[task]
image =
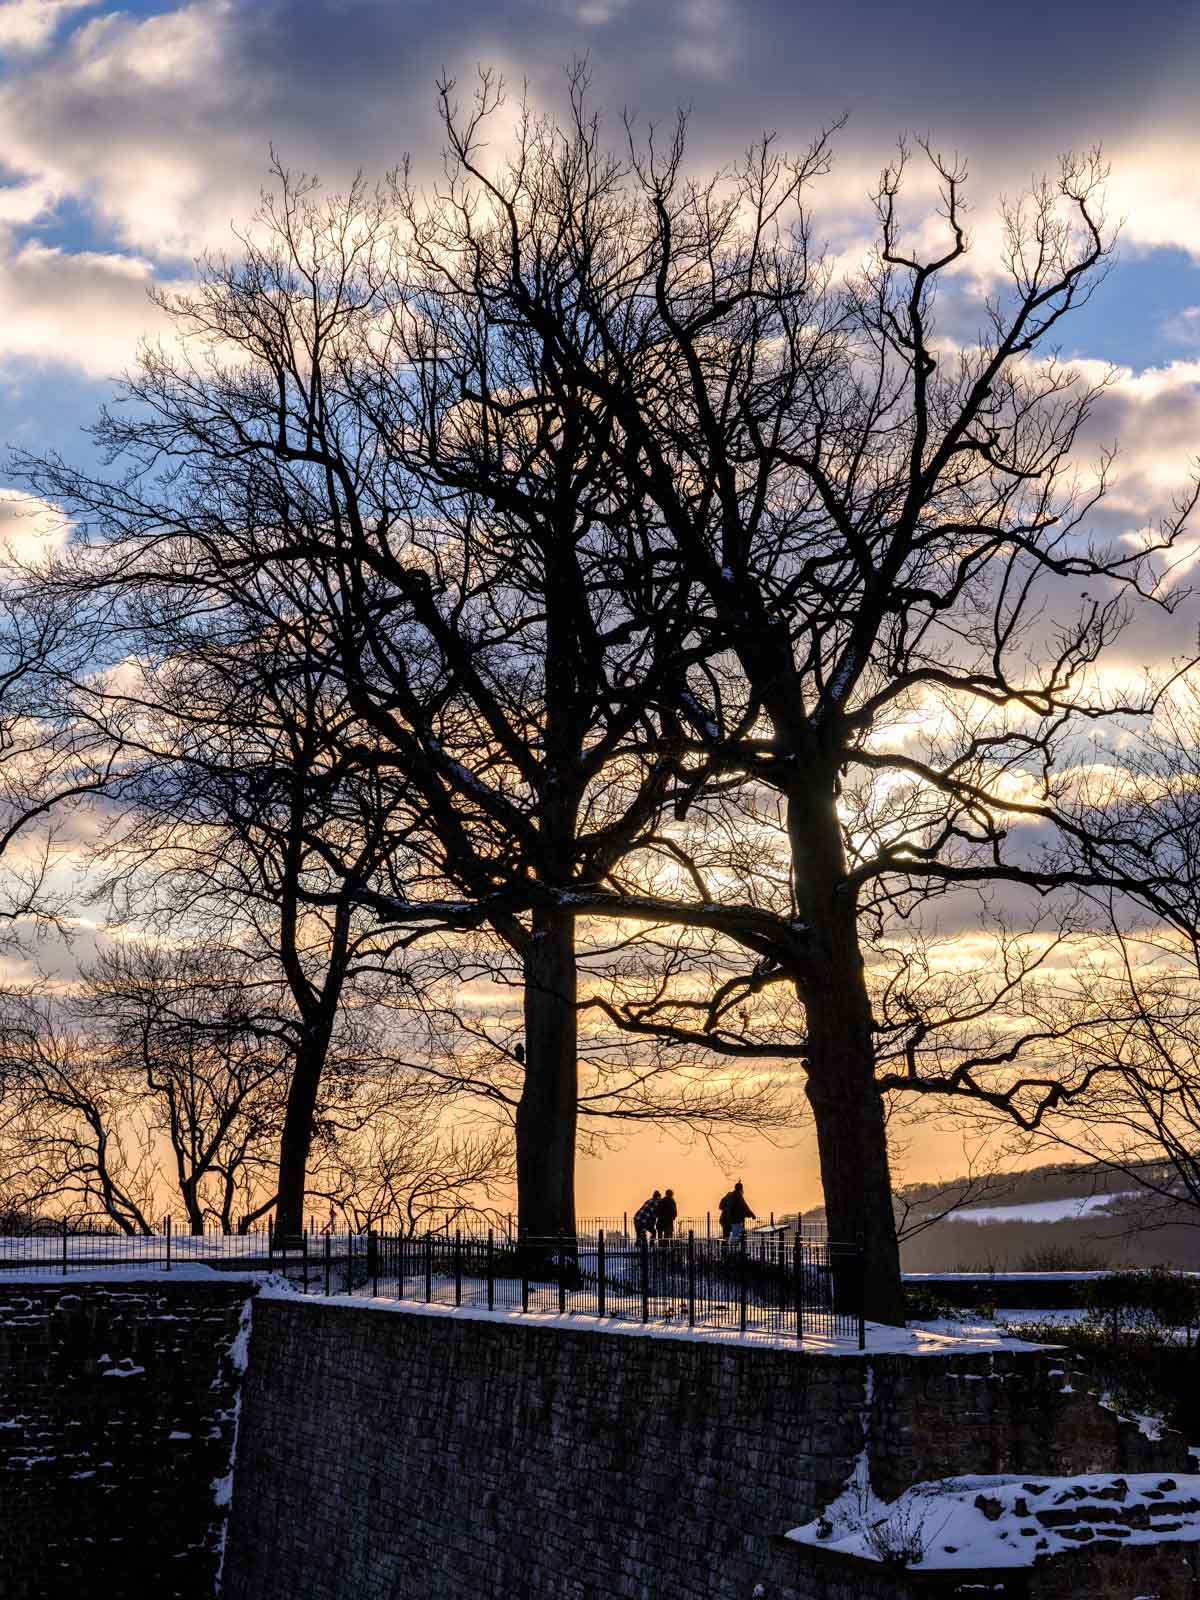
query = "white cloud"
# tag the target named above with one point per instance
(29, 25)
(84, 310)
(149, 120)
(30, 527)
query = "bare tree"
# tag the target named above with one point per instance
(873, 520)
(441, 580)
(193, 1026)
(74, 1142)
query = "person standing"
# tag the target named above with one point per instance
(645, 1218)
(735, 1210)
(667, 1212)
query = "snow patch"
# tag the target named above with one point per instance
(997, 1521)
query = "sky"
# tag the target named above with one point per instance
(132, 138)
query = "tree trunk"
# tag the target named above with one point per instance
(547, 1112)
(296, 1139)
(846, 1105)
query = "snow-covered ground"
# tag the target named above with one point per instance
(1067, 1210)
(918, 1341)
(986, 1522)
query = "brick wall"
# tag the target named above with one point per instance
(393, 1454)
(116, 1414)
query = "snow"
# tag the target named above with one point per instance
(1043, 1210)
(881, 1339)
(987, 1522)
(131, 1272)
(222, 1487)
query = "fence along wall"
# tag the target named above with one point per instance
(397, 1452)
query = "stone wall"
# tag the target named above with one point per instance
(117, 1407)
(393, 1454)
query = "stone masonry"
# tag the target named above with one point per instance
(393, 1454)
(117, 1405)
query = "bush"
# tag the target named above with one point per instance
(1143, 1301)
(1062, 1258)
(922, 1305)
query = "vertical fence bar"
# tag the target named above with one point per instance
(798, 1274)
(644, 1275)
(168, 1244)
(373, 1261)
(625, 1227)
(458, 1266)
(862, 1293)
(707, 1226)
(428, 1266)
(742, 1283)
(328, 1260)
(691, 1277)
(524, 1275)
(600, 1266)
(304, 1259)
(562, 1275)
(491, 1271)
(64, 1249)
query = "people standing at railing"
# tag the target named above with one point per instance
(735, 1209)
(645, 1218)
(664, 1220)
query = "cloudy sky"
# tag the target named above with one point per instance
(131, 138)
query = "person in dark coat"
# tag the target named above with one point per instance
(667, 1212)
(734, 1211)
(645, 1218)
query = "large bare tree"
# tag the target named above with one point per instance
(887, 530)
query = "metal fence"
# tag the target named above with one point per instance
(63, 1248)
(799, 1288)
(771, 1280)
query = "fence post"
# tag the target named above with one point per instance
(707, 1226)
(304, 1259)
(625, 1227)
(64, 1250)
(458, 1266)
(862, 1292)
(373, 1261)
(562, 1276)
(798, 1273)
(491, 1266)
(328, 1260)
(523, 1248)
(428, 1266)
(644, 1274)
(168, 1244)
(691, 1278)
(600, 1267)
(742, 1285)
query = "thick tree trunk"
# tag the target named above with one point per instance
(847, 1108)
(548, 1108)
(296, 1139)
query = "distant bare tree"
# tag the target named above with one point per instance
(194, 1027)
(74, 1141)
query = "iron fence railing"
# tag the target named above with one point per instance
(771, 1280)
(64, 1248)
(797, 1287)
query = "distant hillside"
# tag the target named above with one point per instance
(1054, 1218)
